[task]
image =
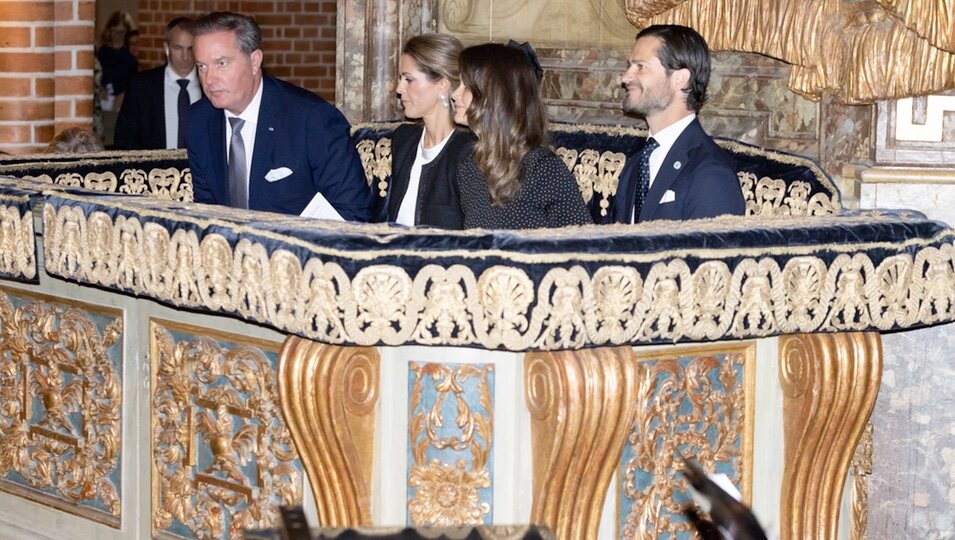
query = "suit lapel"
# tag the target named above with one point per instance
(269, 120)
(674, 164)
(217, 145)
(401, 173)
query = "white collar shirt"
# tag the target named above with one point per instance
(171, 101)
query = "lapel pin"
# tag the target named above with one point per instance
(677, 165)
(271, 128)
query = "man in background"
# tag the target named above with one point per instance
(153, 115)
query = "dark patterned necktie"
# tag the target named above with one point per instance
(643, 177)
(238, 177)
(183, 107)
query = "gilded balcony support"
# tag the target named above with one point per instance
(582, 405)
(830, 383)
(328, 395)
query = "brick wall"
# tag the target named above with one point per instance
(298, 36)
(46, 70)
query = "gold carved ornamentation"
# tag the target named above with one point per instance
(376, 162)
(690, 401)
(860, 51)
(223, 460)
(641, 297)
(17, 242)
(447, 494)
(582, 405)
(61, 396)
(328, 396)
(830, 383)
(861, 471)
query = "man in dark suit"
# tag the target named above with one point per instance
(679, 173)
(257, 142)
(150, 116)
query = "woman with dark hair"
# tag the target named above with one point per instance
(511, 180)
(426, 153)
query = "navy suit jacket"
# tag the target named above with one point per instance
(296, 130)
(141, 124)
(701, 175)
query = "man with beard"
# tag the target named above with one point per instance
(679, 173)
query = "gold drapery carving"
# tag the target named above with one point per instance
(328, 395)
(582, 404)
(220, 403)
(859, 51)
(62, 397)
(447, 494)
(861, 471)
(830, 383)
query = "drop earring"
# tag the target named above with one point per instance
(444, 101)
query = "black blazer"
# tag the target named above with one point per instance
(696, 180)
(438, 204)
(141, 124)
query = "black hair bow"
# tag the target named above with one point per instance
(531, 55)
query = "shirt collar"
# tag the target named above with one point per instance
(668, 135)
(172, 76)
(251, 113)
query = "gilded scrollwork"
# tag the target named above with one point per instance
(858, 51)
(694, 405)
(61, 386)
(450, 432)
(502, 306)
(223, 459)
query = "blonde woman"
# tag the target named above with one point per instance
(426, 152)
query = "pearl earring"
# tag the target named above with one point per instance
(444, 101)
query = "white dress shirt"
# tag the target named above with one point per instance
(409, 204)
(171, 101)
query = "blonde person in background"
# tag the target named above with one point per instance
(511, 180)
(426, 153)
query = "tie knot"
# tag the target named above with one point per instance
(236, 123)
(183, 83)
(650, 145)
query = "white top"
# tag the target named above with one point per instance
(171, 101)
(666, 138)
(423, 156)
(251, 117)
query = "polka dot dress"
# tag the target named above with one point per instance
(548, 198)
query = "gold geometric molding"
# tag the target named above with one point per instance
(830, 383)
(222, 459)
(328, 395)
(582, 405)
(60, 404)
(859, 51)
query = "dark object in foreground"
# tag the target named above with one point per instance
(728, 518)
(295, 527)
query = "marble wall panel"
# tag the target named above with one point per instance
(924, 135)
(61, 372)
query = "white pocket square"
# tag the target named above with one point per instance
(277, 174)
(669, 196)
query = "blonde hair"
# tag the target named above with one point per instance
(436, 55)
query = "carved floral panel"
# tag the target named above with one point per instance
(697, 402)
(222, 456)
(61, 366)
(450, 432)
